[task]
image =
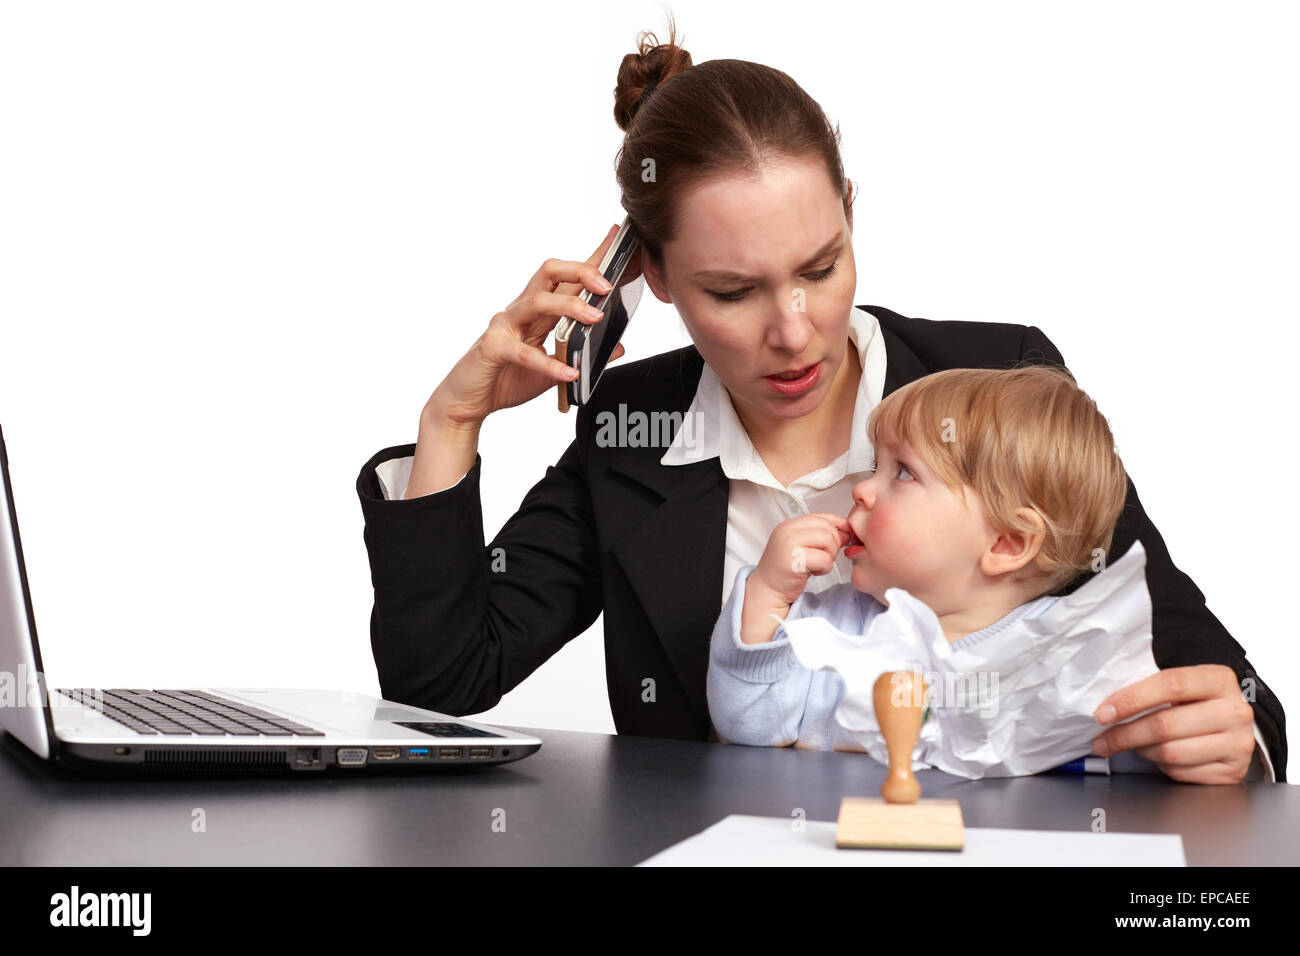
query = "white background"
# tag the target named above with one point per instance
(240, 243)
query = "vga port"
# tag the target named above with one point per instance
(351, 756)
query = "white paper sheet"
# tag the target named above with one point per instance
(740, 840)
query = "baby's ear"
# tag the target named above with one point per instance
(1013, 550)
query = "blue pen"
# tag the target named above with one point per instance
(1084, 765)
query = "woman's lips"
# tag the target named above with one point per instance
(796, 386)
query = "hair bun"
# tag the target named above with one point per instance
(640, 74)
(646, 95)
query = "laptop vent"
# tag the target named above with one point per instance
(213, 758)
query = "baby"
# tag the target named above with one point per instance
(990, 490)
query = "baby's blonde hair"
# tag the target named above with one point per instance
(1019, 437)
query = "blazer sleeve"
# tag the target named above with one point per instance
(456, 624)
(1184, 631)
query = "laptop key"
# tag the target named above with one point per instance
(198, 727)
(298, 730)
(272, 730)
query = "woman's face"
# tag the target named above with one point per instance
(762, 274)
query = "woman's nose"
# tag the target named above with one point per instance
(790, 330)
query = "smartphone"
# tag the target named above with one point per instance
(588, 347)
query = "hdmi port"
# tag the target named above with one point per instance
(480, 753)
(386, 753)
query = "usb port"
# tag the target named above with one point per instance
(480, 753)
(450, 753)
(417, 753)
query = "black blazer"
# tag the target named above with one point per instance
(609, 528)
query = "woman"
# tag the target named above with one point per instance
(732, 177)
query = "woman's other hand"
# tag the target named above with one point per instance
(1207, 734)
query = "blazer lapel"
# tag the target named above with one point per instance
(673, 555)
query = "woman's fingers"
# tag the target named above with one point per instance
(508, 365)
(532, 357)
(1210, 758)
(1178, 723)
(570, 278)
(555, 305)
(567, 278)
(1173, 685)
(1206, 736)
(1191, 752)
(501, 348)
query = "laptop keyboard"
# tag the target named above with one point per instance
(185, 713)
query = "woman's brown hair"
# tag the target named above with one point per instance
(717, 118)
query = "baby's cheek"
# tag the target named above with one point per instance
(878, 530)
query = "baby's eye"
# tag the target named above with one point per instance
(872, 470)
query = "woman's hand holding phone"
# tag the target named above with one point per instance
(506, 366)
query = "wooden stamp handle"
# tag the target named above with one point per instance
(899, 699)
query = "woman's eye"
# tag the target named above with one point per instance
(729, 296)
(740, 293)
(826, 273)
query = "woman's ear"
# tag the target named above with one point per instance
(654, 278)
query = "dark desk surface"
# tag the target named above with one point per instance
(582, 799)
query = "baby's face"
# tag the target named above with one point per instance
(914, 532)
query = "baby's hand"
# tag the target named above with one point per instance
(797, 548)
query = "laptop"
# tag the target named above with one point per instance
(215, 729)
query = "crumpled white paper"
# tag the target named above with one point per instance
(1018, 702)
